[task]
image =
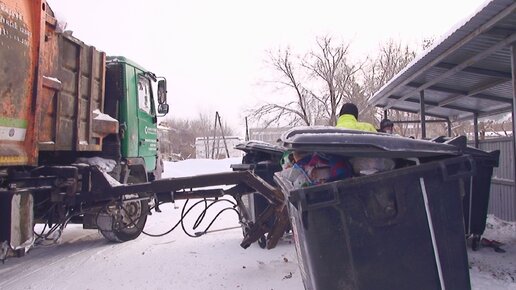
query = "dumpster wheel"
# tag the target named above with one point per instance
(475, 242)
(262, 242)
(123, 221)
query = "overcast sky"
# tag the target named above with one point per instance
(213, 52)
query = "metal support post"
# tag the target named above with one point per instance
(475, 128)
(513, 68)
(423, 115)
(449, 124)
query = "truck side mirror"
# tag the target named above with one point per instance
(162, 92)
(163, 109)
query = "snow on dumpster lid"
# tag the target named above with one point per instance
(256, 145)
(359, 143)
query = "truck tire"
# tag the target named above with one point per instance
(124, 222)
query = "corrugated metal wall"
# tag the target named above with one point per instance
(502, 202)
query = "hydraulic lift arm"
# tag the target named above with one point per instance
(242, 182)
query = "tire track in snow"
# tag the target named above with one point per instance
(76, 250)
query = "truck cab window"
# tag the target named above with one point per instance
(144, 94)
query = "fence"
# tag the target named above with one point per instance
(502, 202)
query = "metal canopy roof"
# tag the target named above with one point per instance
(467, 73)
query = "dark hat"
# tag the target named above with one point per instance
(349, 108)
(386, 123)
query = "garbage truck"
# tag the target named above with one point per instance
(78, 140)
(65, 106)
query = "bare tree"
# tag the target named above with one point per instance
(179, 135)
(177, 139)
(391, 58)
(325, 78)
(330, 64)
(318, 84)
(295, 111)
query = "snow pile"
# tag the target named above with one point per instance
(52, 79)
(500, 230)
(104, 117)
(487, 265)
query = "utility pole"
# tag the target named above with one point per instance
(217, 120)
(223, 137)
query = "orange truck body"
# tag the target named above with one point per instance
(50, 86)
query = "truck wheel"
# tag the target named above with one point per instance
(124, 222)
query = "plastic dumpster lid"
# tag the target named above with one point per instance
(255, 145)
(462, 143)
(361, 144)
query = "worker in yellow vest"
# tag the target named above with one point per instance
(349, 119)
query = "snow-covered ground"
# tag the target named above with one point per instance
(82, 259)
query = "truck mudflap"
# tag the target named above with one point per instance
(16, 230)
(240, 182)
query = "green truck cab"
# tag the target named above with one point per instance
(131, 95)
